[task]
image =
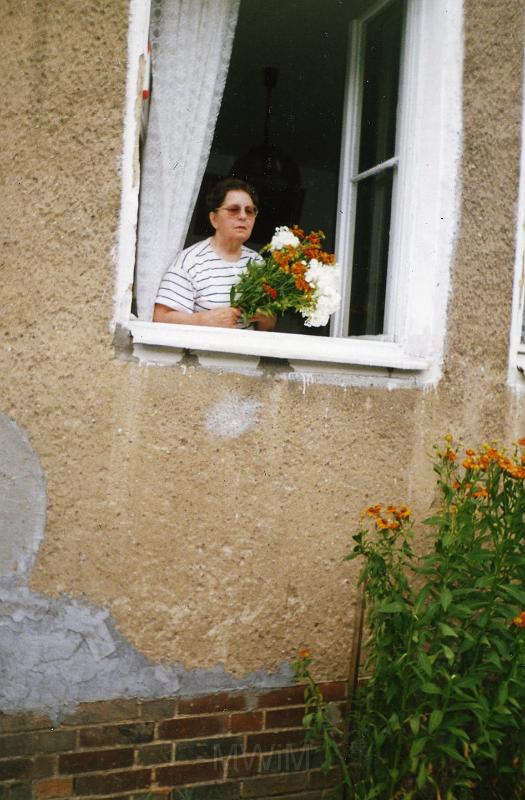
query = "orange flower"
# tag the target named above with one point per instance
(480, 493)
(403, 512)
(456, 485)
(519, 621)
(267, 289)
(451, 455)
(382, 523)
(373, 511)
(521, 442)
(304, 653)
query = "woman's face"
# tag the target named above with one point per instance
(235, 218)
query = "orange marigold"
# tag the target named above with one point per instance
(480, 493)
(304, 653)
(519, 621)
(403, 512)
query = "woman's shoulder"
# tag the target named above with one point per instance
(247, 253)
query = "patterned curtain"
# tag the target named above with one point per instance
(191, 48)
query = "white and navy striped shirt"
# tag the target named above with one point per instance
(200, 280)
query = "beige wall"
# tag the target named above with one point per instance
(209, 547)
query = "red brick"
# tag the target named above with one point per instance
(104, 711)
(158, 709)
(43, 766)
(241, 766)
(246, 721)
(94, 760)
(11, 723)
(320, 780)
(53, 787)
(263, 742)
(113, 782)
(16, 744)
(189, 773)
(336, 690)
(191, 727)
(15, 768)
(288, 696)
(104, 735)
(284, 718)
(155, 754)
(210, 703)
(274, 784)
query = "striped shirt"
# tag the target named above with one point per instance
(200, 280)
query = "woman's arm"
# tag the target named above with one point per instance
(218, 317)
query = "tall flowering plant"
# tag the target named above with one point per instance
(441, 715)
(293, 271)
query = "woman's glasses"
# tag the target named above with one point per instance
(234, 211)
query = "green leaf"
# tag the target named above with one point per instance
(430, 688)
(424, 662)
(433, 521)
(445, 598)
(392, 608)
(450, 751)
(503, 694)
(418, 746)
(446, 630)
(422, 775)
(436, 718)
(414, 723)
(449, 655)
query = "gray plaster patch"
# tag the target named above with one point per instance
(55, 654)
(233, 416)
(22, 501)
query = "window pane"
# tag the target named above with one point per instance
(380, 88)
(370, 264)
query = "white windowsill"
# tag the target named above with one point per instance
(153, 342)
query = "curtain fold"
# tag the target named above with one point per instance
(191, 48)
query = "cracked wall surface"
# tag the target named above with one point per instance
(207, 514)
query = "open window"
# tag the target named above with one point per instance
(354, 109)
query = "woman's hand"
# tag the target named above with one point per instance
(220, 317)
(264, 322)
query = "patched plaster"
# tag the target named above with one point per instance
(23, 503)
(56, 653)
(232, 416)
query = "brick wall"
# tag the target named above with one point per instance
(226, 746)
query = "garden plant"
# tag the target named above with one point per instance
(439, 711)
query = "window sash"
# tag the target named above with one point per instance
(350, 176)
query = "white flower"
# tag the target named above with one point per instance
(325, 280)
(282, 238)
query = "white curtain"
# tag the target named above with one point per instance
(191, 48)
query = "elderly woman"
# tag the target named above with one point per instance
(196, 288)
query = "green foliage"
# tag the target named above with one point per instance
(441, 715)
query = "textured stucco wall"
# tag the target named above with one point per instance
(208, 513)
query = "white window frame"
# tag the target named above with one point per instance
(516, 369)
(423, 223)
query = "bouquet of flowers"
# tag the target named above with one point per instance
(293, 271)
